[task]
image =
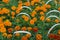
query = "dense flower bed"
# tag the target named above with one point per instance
(29, 19)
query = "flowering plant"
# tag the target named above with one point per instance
(29, 20)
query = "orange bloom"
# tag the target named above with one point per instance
(57, 21)
(32, 22)
(17, 28)
(3, 30)
(27, 3)
(35, 19)
(10, 30)
(33, 13)
(42, 18)
(5, 10)
(26, 18)
(37, 8)
(6, 1)
(32, 3)
(29, 28)
(24, 28)
(13, 7)
(36, 1)
(41, 13)
(9, 36)
(24, 38)
(7, 23)
(28, 35)
(48, 6)
(38, 37)
(17, 34)
(13, 13)
(59, 8)
(4, 34)
(59, 32)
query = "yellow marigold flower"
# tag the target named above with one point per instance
(58, 31)
(42, 18)
(48, 20)
(27, 3)
(32, 22)
(17, 34)
(6, 1)
(17, 28)
(13, 7)
(7, 23)
(29, 28)
(9, 36)
(3, 30)
(38, 36)
(4, 34)
(28, 35)
(24, 28)
(24, 38)
(57, 21)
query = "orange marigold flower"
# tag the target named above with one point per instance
(1, 25)
(36, 1)
(24, 28)
(3, 30)
(13, 7)
(35, 29)
(24, 38)
(17, 34)
(42, 18)
(28, 35)
(7, 23)
(10, 30)
(35, 19)
(6, 1)
(26, 18)
(41, 13)
(9, 36)
(38, 37)
(48, 6)
(32, 22)
(57, 21)
(13, 13)
(27, 3)
(33, 13)
(29, 28)
(37, 8)
(59, 32)
(4, 34)
(32, 3)
(17, 28)
(59, 8)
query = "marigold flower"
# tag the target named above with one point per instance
(48, 20)
(59, 8)
(17, 28)
(27, 3)
(33, 13)
(59, 32)
(29, 28)
(41, 13)
(32, 3)
(1, 25)
(13, 7)
(48, 6)
(28, 35)
(35, 19)
(10, 30)
(13, 13)
(38, 37)
(4, 34)
(24, 28)
(32, 22)
(42, 18)
(17, 34)
(26, 18)
(35, 29)
(9, 36)
(3, 30)
(57, 21)
(6, 1)
(37, 8)
(24, 38)
(7, 23)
